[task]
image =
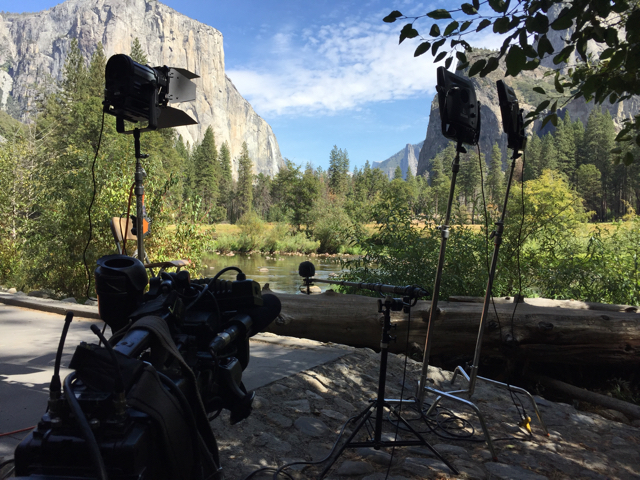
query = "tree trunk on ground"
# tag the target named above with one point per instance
(541, 334)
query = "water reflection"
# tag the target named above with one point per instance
(280, 271)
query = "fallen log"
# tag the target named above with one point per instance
(629, 409)
(540, 334)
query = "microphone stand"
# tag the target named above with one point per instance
(380, 403)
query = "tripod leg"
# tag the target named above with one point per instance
(365, 414)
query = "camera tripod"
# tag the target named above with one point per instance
(378, 404)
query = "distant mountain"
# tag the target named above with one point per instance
(407, 158)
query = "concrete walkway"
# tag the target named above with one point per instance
(29, 336)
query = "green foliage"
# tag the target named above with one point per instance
(137, 53)
(244, 190)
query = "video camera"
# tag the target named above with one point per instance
(139, 405)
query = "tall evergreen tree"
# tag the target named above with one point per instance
(397, 173)
(338, 171)
(566, 146)
(532, 161)
(96, 72)
(74, 86)
(225, 183)
(206, 175)
(244, 191)
(137, 53)
(599, 138)
(495, 178)
(548, 154)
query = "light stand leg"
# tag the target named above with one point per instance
(472, 377)
(139, 190)
(444, 230)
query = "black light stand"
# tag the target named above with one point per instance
(139, 190)
(379, 403)
(513, 121)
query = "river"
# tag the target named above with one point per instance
(279, 271)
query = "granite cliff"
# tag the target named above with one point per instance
(407, 159)
(33, 48)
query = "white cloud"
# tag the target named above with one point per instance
(343, 66)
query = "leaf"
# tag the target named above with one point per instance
(447, 64)
(483, 24)
(492, 64)
(501, 25)
(564, 20)
(477, 67)
(638, 140)
(616, 150)
(628, 158)
(544, 46)
(537, 24)
(462, 66)
(539, 90)
(435, 30)
(422, 48)
(563, 55)
(522, 39)
(408, 32)
(556, 83)
(465, 25)
(476, 4)
(461, 57)
(602, 7)
(544, 104)
(498, 6)
(451, 28)
(516, 60)
(392, 16)
(554, 107)
(436, 46)
(439, 14)
(440, 56)
(469, 9)
(553, 118)
(617, 59)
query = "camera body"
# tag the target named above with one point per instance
(147, 400)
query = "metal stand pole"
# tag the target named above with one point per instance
(139, 190)
(473, 376)
(380, 403)
(444, 231)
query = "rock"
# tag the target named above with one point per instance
(91, 302)
(69, 300)
(424, 467)
(298, 406)
(167, 38)
(311, 426)
(343, 404)
(20, 294)
(636, 423)
(351, 468)
(314, 289)
(280, 420)
(511, 472)
(313, 396)
(333, 414)
(377, 456)
(38, 294)
(278, 389)
(263, 269)
(271, 442)
(614, 415)
(12, 290)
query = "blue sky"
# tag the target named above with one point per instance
(322, 72)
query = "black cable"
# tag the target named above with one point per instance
(10, 471)
(93, 197)
(85, 429)
(226, 269)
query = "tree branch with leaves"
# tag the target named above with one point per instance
(611, 25)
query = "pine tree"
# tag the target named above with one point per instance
(548, 154)
(397, 174)
(96, 72)
(244, 191)
(205, 182)
(226, 180)
(579, 140)
(566, 146)
(599, 139)
(74, 87)
(137, 53)
(532, 164)
(338, 171)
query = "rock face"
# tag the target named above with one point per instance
(33, 48)
(407, 159)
